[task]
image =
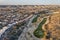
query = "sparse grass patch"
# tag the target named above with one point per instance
(39, 33)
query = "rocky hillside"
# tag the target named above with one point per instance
(54, 26)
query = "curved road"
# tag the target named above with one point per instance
(24, 31)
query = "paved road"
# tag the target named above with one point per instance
(3, 30)
(25, 29)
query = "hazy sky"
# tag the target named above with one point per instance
(29, 2)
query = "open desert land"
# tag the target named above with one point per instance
(30, 22)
